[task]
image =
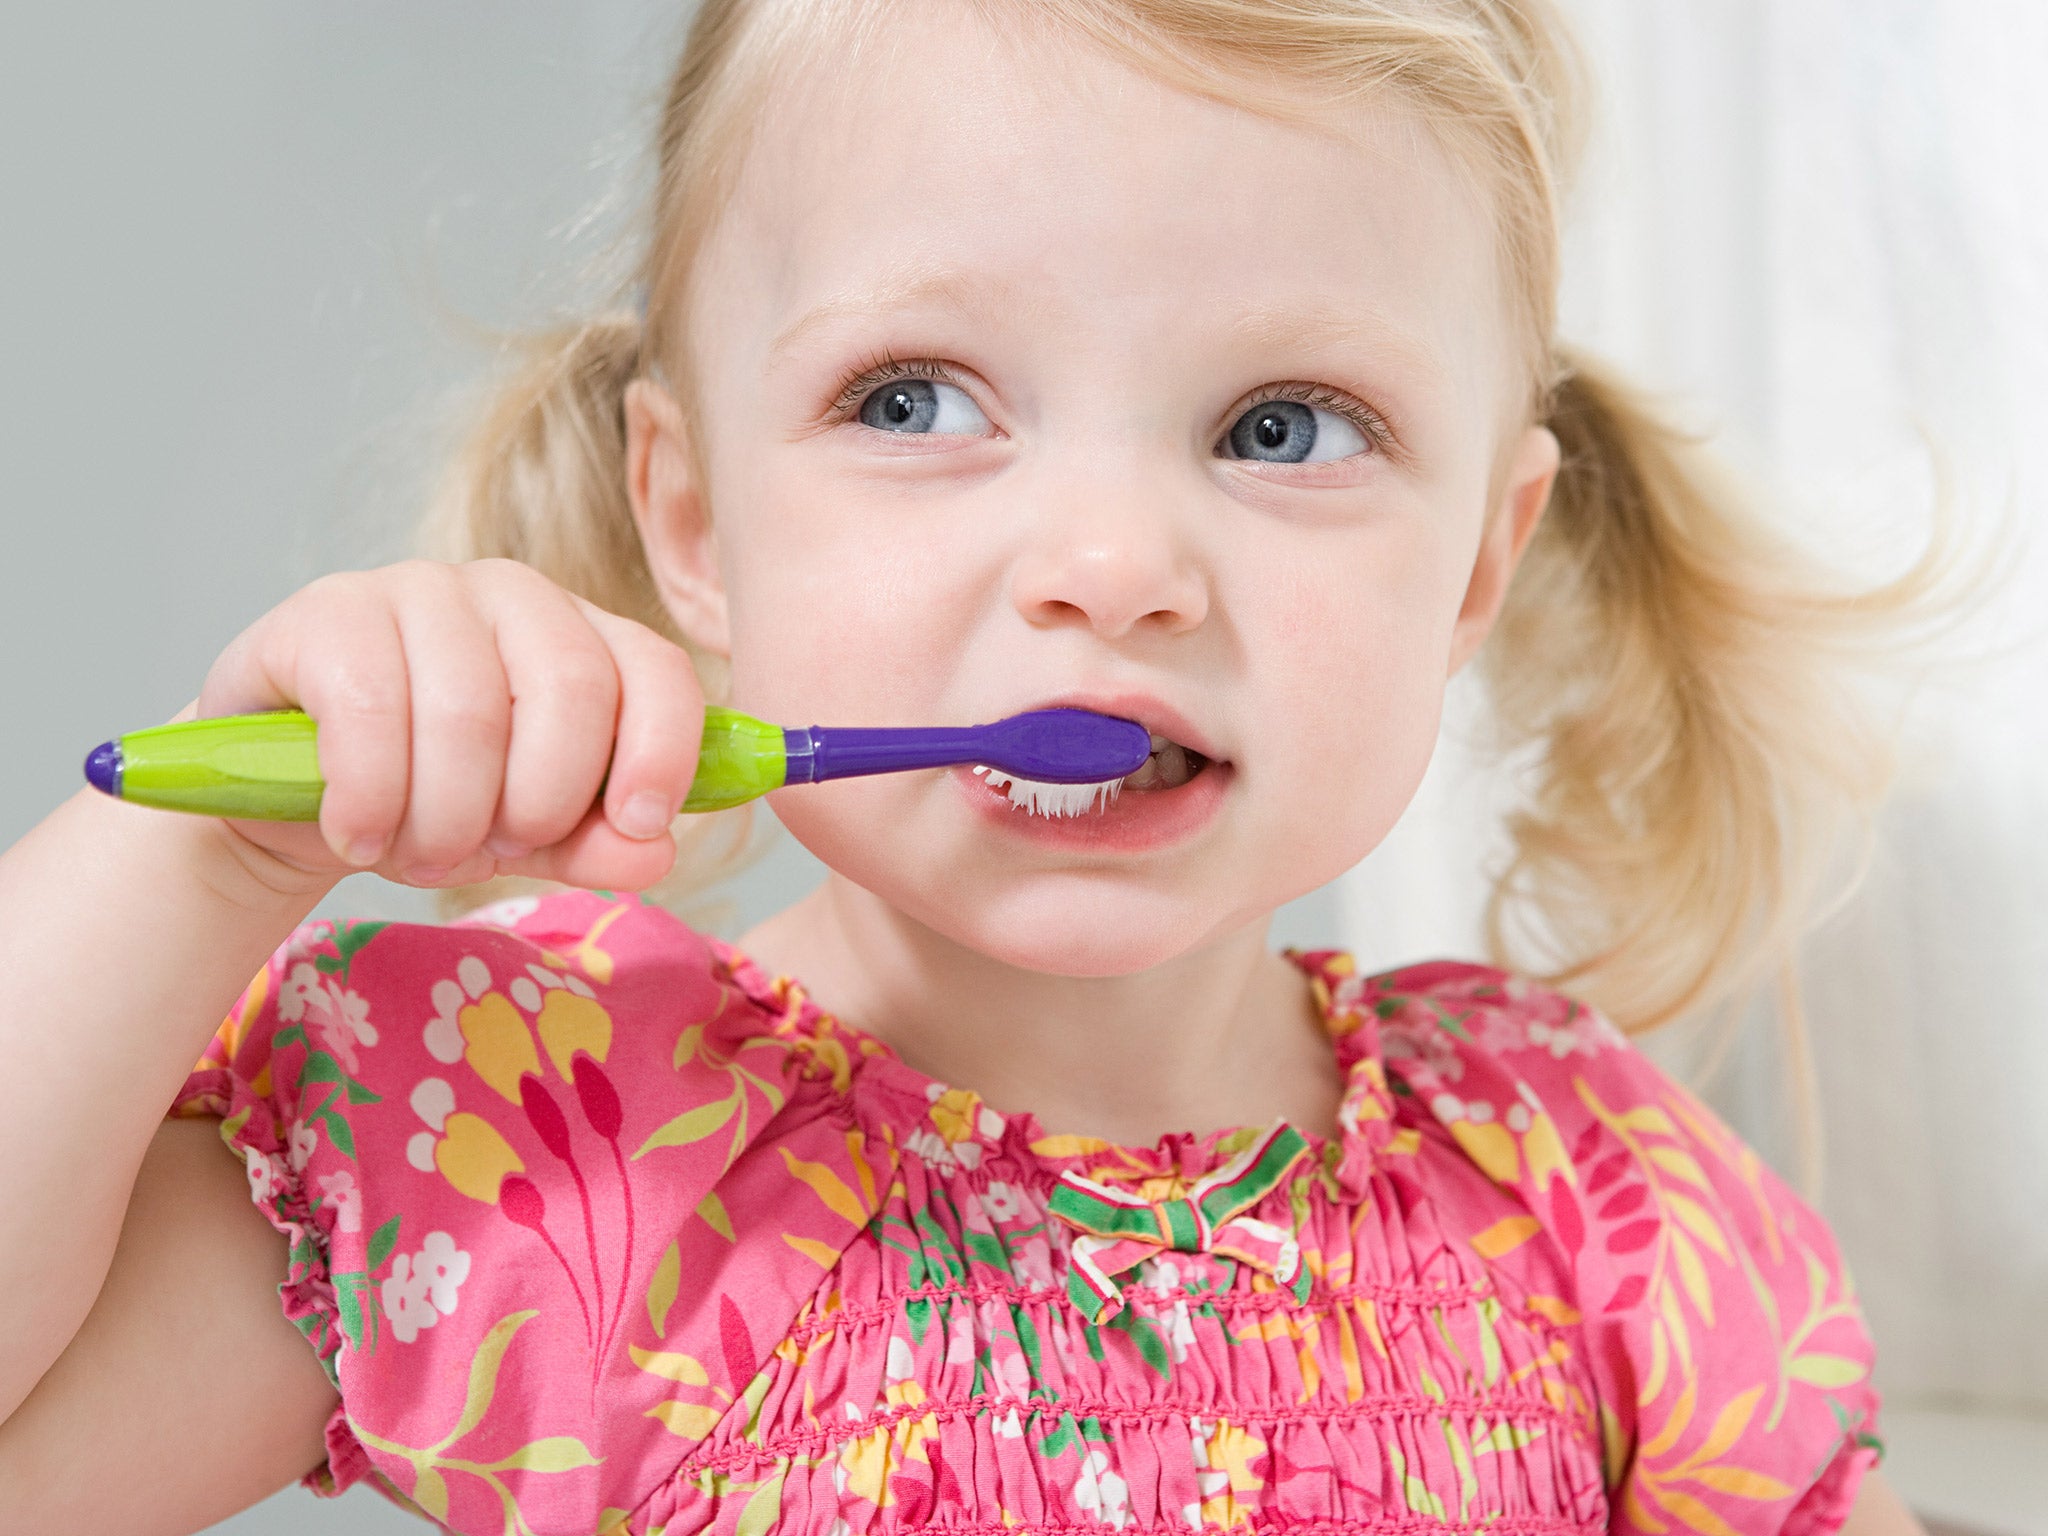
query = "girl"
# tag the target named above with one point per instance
(1188, 360)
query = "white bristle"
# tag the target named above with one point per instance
(1037, 799)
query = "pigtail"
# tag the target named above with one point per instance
(542, 480)
(1683, 676)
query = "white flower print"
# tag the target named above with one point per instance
(338, 1189)
(1031, 1262)
(1102, 1492)
(339, 1017)
(423, 1285)
(1428, 1044)
(1178, 1326)
(960, 1338)
(301, 1145)
(1161, 1276)
(508, 913)
(902, 1363)
(1003, 1202)
(1012, 1378)
(444, 1267)
(941, 1155)
(1009, 1426)
(266, 1177)
(443, 1035)
(298, 986)
(405, 1301)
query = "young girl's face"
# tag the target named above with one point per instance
(1026, 380)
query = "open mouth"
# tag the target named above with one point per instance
(1170, 766)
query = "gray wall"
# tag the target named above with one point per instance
(244, 250)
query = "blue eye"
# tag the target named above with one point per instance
(1289, 432)
(922, 405)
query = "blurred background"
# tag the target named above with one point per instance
(251, 257)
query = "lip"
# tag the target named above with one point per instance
(1154, 714)
(1141, 821)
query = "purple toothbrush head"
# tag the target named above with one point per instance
(1066, 746)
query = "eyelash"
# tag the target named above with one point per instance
(887, 367)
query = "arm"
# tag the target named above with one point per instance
(1880, 1512)
(129, 935)
(186, 1379)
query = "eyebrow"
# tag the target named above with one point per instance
(1279, 325)
(964, 292)
(926, 284)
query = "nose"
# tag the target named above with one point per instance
(1113, 557)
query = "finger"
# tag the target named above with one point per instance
(660, 726)
(596, 857)
(461, 721)
(332, 649)
(564, 689)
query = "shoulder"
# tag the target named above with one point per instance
(1720, 1321)
(505, 1151)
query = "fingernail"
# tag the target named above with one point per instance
(645, 815)
(365, 851)
(505, 848)
(426, 874)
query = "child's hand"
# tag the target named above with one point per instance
(468, 715)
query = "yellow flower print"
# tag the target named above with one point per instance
(465, 1149)
(498, 1046)
(568, 1024)
(868, 1463)
(474, 1022)
(474, 1157)
(958, 1115)
(1224, 1455)
(1507, 1145)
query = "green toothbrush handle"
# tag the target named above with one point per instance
(266, 767)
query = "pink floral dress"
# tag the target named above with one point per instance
(597, 1228)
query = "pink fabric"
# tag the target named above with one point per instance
(597, 1228)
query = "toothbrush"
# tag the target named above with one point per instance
(265, 767)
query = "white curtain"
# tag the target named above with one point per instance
(1821, 228)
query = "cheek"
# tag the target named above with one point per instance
(836, 618)
(1349, 694)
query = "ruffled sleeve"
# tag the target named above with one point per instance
(1731, 1361)
(534, 1169)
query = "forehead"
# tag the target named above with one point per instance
(1035, 182)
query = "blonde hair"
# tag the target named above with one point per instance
(1672, 669)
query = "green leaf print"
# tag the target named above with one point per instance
(692, 1125)
(549, 1453)
(338, 1132)
(712, 1209)
(935, 1240)
(354, 935)
(555, 1453)
(483, 1374)
(1151, 1343)
(988, 1248)
(349, 1302)
(763, 1509)
(382, 1241)
(1027, 1340)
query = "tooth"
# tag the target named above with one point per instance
(1158, 740)
(1174, 767)
(1145, 777)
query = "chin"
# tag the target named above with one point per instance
(1096, 941)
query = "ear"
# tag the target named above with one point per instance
(667, 493)
(1531, 473)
